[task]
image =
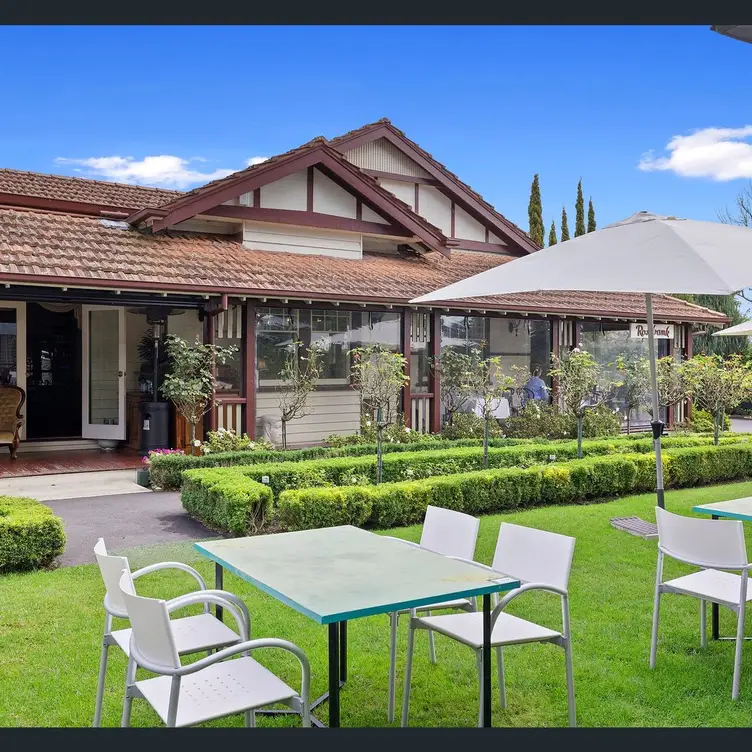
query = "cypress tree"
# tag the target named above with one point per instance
(590, 216)
(564, 225)
(552, 235)
(535, 212)
(579, 219)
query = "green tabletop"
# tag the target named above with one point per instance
(736, 509)
(339, 573)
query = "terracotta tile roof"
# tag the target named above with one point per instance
(84, 190)
(385, 122)
(45, 246)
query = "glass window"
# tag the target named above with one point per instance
(377, 328)
(462, 332)
(228, 332)
(104, 384)
(277, 329)
(523, 343)
(606, 342)
(333, 331)
(8, 369)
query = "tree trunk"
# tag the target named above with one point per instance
(485, 443)
(628, 426)
(716, 425)
(579, 436)
(379, 432)
(193, 437)
(284, 434)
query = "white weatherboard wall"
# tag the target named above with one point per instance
(329, 198)
(335, 411)
(384, 156)
(265, 236)
(434, 206)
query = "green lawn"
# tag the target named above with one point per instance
(50, 632)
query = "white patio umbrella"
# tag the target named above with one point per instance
(644, 253)
(736, 331)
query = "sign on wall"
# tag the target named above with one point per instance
(661, 331)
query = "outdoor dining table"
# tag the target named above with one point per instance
(736, 509)
(336, 574)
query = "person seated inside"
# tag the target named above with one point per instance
(535, 387)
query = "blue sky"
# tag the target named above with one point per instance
(495, 104)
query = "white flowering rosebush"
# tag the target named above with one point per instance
(226, 440)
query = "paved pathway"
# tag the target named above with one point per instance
(125, 521)
(72, 485)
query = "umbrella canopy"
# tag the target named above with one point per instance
(742, 33)
(736, 331)
(644, 253)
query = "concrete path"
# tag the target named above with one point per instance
(72, 485)
(741, 425)
(125, 521)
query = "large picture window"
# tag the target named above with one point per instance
(332, 331)
(277, 331)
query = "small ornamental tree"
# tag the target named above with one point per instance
(485, 381)
(451, 367)
(718, 385)
(635, 383)
(298, 378)
(582, 384)
(552, 234)
(190, 383)
(672, 384)
(379, 375)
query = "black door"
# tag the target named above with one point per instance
(53, 374)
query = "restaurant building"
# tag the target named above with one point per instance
(327, 242)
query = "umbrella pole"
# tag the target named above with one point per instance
(656, 423)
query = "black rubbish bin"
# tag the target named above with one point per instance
(155, 426)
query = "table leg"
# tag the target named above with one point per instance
(334, 673)
(219, 585)
(342, 652)
(486, 661)
(714, 617)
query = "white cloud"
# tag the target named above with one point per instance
(251, 161)
(163, 170)
(718, 153)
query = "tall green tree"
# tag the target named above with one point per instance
(535, 212)
(579, 207)
(564, 225)
(552, 235)
(707, 344)
(591, 216)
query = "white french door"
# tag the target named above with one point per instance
(103, 372)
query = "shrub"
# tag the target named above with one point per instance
(702, 421)
(469, 426)
(31, 535)
(224, 440)
(488, 491)
(540, 420)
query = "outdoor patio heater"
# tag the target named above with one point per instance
(155, 414)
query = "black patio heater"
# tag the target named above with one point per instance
(155, 415)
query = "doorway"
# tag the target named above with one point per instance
(53, 374)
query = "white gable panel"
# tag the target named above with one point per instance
(329, 198)
(495, 239)
(266, 236)
(384, 156)
(434, 206)
(289, 192)
(403, 191)
(466, 227)
(369, 215)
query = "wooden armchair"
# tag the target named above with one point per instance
(12, 399)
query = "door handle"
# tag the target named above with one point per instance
(121, 373)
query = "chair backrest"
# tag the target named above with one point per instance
(717, 544)
(11, 399)
(449, 533)
(150, 622)
(532, 555)
(111, 567)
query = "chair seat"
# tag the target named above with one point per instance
(217, 691)
(711, 585)
(7, 437)
(193, 634)
(508, 630)
(462, 603)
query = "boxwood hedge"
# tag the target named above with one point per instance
(31, 535)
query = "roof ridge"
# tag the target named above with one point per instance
(90, 180)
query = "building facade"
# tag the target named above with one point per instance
(326, 243)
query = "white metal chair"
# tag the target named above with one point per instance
(193, 634)
(444, 532)
(715, 546)
(210, 688)
(540, 561)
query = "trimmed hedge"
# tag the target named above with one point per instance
(405, 466)
(226, 500)
(491, 491)
(31, 535)
(165, 470)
